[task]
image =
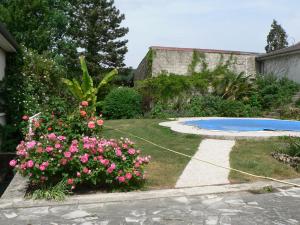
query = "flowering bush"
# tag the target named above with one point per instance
(70, 149)
(85, 161)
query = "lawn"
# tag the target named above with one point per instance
(165, 167)
(255, 157)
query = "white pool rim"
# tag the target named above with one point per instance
(177, 124)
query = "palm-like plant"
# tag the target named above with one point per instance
(86, 91)
(232, 86)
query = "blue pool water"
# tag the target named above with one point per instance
(232, 124)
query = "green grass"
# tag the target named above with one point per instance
(165, 167)
(255, 157)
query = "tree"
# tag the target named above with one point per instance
(37, 24)
(95, 26)
(277, 38)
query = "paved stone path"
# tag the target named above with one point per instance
(231, 209)
(198, 173)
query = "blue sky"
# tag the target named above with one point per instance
(217, 24)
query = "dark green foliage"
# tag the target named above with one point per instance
(122, 103)
(271, 92)
(37, 24)
(96, 27)
(277, 38)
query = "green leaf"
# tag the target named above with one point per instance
(87, 81)
(107, 78)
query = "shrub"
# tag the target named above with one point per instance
(69, 150)
(122, 103)
(292, 146)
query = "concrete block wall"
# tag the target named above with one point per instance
(283, 66)
(178, 60)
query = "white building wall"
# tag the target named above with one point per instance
(2, 64)
(284, 66)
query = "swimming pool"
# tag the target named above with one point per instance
(247, 124)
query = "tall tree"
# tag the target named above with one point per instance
(277, 38)
(95, 26)
(37, 24)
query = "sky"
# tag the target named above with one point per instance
(240, 25)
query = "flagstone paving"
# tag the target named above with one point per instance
(236, 209)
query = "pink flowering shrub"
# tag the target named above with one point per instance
(76, 154)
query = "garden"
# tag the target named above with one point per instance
(75, 143)
(72, 123)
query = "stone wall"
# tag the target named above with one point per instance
(282, 66)
(178, 61)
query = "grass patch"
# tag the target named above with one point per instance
(255, 157)
(165, 167)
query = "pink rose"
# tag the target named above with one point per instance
(61, 138)
(57, 145)
(131, 151)
(128, 176)
(30, 144)
(25, 117)
(100, 122)
(49, 149)
(63, 161)
(13, 163)
(84, 103)
(70, 181)
(51, 136)
(91, 125)
(23, 166)
(73, 148)
(121, 179)
(85, 170)
(110, 170)
(113, 166)
(137, 173)
(78, 174)
(84, 158)
(42, 167)
(118, 152)
(67, 154)
(30, 164)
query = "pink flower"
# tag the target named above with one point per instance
(113, 166)
(70, 181)
(136, 165)
(49, 149)
(51, 136)
(137, 173)
(86, 145)
(105, 162)
(91, 125)
(13, 163)
(125, 146)
(85, 170)
(100, 122)
(63, 161)
(30, 144)
(57, 145)
(61, 138)
(110, 170)
(100, 150)
(118, 152)
(121, 179)
(84, 158)
(45, 164)
(131, 151)
(23, 166)
(67, 154)
(128, 176)
(73, 148)
(42, 167)
(30, 164)
(84, 103)
(78, 174)
(82, 113)
(25, 117)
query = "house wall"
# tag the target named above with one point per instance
(2, 64)
(178, 62)
(282, 66)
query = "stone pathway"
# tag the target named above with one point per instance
(198, 173)
(281, 208)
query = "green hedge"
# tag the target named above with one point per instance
(122, 103)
